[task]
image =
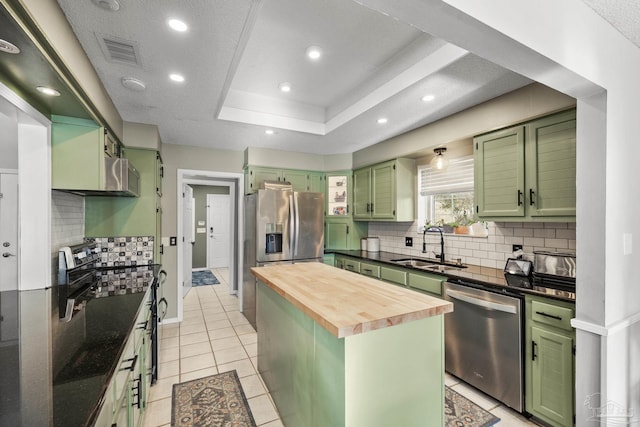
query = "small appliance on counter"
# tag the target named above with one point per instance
(554, 270)
(517, 272)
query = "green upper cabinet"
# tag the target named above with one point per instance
(78, 150)
(499, 173)
(300, 180)
(551, 165)
(159, 174)
(385, 191)
(528, 172)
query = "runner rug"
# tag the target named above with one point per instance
(203, 277)
(214, 401)
(460, 411)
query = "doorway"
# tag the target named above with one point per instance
(233, 185)
(8, 230)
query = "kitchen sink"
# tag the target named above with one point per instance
(412, 262)
(428, 265)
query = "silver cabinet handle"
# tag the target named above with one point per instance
(482, 303)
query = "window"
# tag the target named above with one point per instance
(446, 197)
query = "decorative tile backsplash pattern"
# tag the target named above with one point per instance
(125, 251)
(124, 281)
(491, 251)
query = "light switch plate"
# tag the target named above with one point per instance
(408, 241)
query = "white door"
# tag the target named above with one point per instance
(188, 237)
(8, 231)
(218, 230)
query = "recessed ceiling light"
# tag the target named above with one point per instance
(133, 84)
(110, 5)
(176, 77)
(269, 132)
(382, 120)
(48, 91)
(428, 98)
(8, 47)
(314, 52)
(178, 25)
(285, 87)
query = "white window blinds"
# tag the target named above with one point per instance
(458, 177)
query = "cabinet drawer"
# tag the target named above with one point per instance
(352, 265)
(553, 315)
(429, 283)
(393, 275)
(370, 269)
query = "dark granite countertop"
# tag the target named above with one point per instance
(484, 277)
(55, 373)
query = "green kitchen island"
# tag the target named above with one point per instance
(339, 349)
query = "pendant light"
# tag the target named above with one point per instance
(439, 162)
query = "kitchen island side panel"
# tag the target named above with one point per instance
(391, 376)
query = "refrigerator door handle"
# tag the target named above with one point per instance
(297, 223)
(292, 226)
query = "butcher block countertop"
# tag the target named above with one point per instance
(346, 303)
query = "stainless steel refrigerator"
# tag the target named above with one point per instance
(280, 226)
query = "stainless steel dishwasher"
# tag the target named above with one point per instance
(483, 342)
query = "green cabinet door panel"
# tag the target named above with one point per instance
(552, 377)
(396, 276)
(369, 269)
(318, 380)
(551, 166)
(299, 179)
(362, 193)
(383, 190)
(499, 173)
(431, 283)
(77, 154)
(316, 182)
(257, 174)
(336, 235)
(549, 360)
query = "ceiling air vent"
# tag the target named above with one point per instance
(120, 50)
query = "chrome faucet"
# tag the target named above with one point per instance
(433, 229)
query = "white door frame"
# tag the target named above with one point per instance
(233, 181)
(34, 194)
(209, 243)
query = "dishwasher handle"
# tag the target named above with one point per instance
(481, 303)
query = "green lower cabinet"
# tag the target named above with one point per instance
(387, 377)
(396, 276)
(369, 269)
(343, 233)
(329, 259)
(549, 361)
(430, 283)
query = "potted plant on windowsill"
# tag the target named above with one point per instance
(461, 224)
(446, 228)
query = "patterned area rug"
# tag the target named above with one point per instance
(214, 401)
(202, 278)
(461, 412)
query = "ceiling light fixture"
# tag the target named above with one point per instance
(439, 161)
(134, 84)
(176, 77)
(269, 132)
(8, 47)
(178, 25)
(110, 5)
(428, 98)
(382, 120)
(48, 91)
(285, 87)
(314, 52)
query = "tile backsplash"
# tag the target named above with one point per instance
(67, 219)
(125, 251)
(491, 251)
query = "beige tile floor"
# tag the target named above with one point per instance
(215, 337)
